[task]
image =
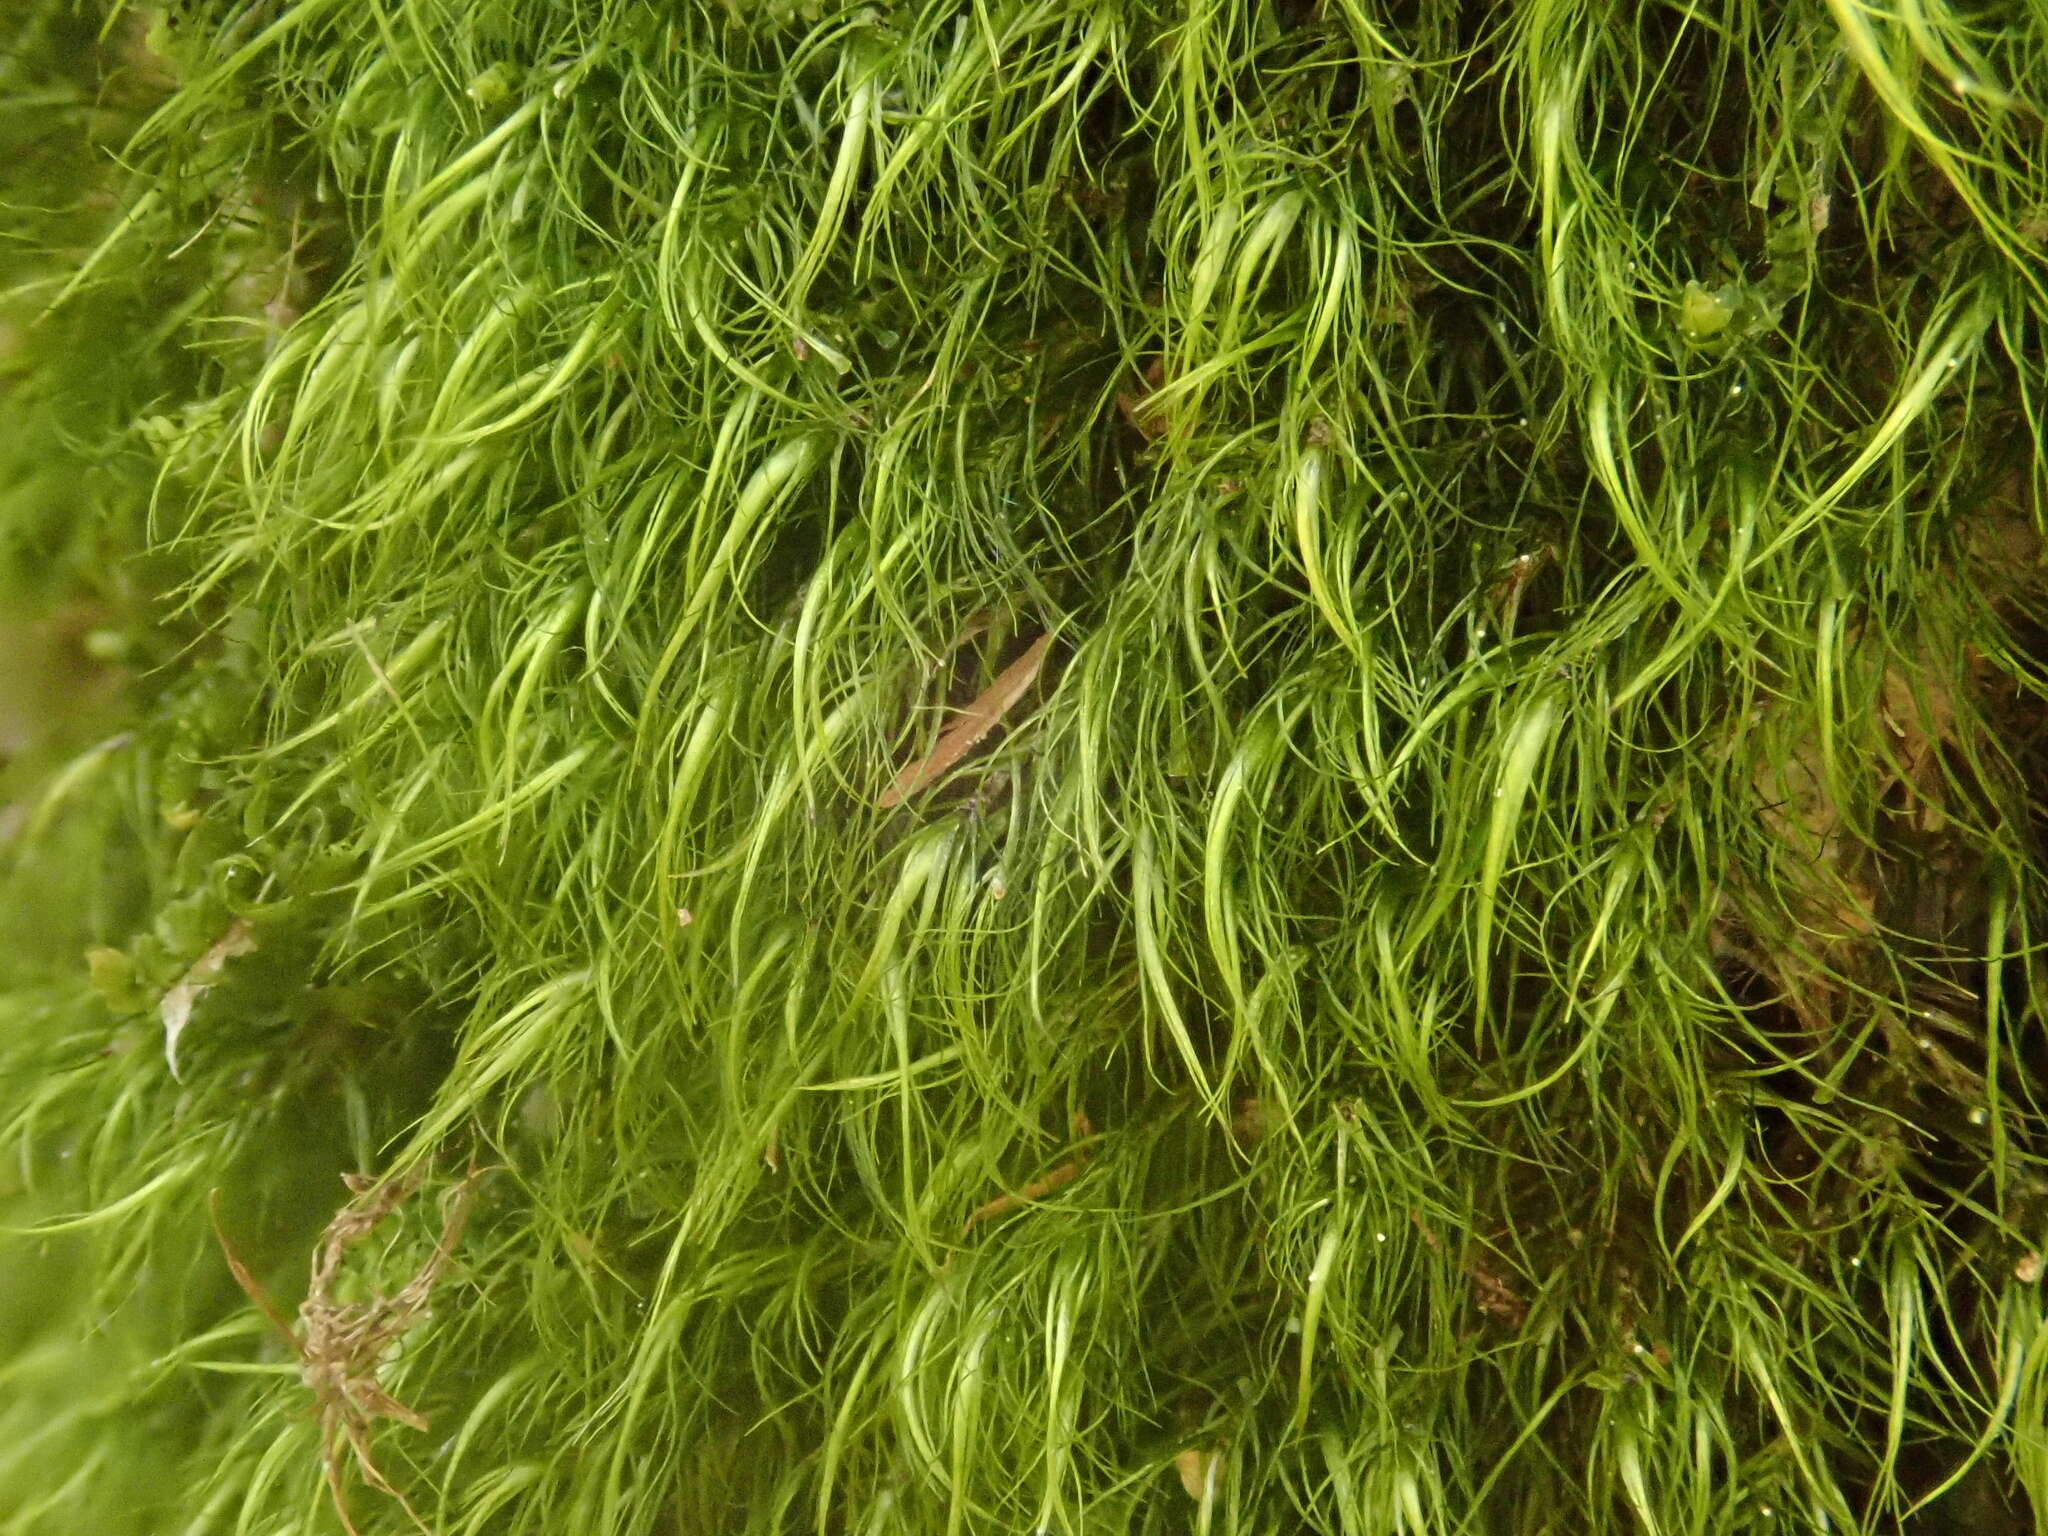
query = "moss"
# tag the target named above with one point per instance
(1096, 766)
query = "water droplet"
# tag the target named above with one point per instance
(1978, 1116)
(1381, 1236)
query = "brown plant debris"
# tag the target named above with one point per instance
(971, 725)
(1138, 406)
(176, 1008)
(1839, 829)
(1038, 1188)
(342, 1345)
(1496, 1297)
(1919, 710)
(1252, 1122)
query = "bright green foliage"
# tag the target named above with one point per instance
(1495, 962)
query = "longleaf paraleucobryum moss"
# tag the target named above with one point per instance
(1114, 766)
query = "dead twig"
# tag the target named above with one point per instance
(1038, 1188)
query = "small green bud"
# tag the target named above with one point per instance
(493, 88)
(112, 975)
(1702, 314)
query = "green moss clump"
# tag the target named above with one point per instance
(1095, 766)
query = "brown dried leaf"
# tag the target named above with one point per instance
(971, 725)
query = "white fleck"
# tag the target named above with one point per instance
(177, 1005)
(1294, 1325)
(1381, 1236)
(1978, 1116)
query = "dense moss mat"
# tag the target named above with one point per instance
(1070, 766)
